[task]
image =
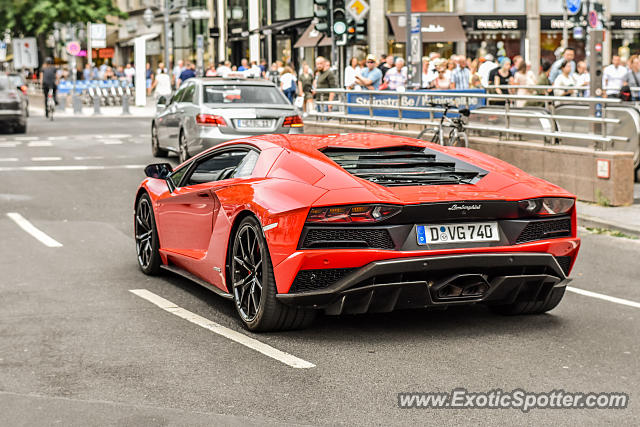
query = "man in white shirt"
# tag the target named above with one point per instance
(485, 69)
(613, 77)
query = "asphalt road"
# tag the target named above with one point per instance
(78, 348)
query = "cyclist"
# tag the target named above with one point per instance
(49, 81)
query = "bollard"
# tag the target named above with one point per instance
(77, 104)
(96, 105)
(125, 106)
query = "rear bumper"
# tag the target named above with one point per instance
(432, 281)
(212, 136)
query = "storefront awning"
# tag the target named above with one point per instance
(283, 25)
(435, 28)
(310, 38)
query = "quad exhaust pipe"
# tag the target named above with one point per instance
(461, 286)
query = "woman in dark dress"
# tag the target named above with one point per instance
(503, 78)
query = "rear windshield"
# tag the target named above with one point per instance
(243, 94)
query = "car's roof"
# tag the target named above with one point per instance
(235, 81)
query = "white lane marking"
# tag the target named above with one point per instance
(26, 138)
(8, 144)
(143, 135)
(40, 144)
(604, 297)
(66, 168)
(112, 142)
(8, 159)
(31, 229)
(57, 138)
(46, 159)
(88, 157)
(252, 343)
(270, 226)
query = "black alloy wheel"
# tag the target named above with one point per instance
(146, 237)
(253, 285)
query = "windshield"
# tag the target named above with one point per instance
(16, 80)
(243, 94)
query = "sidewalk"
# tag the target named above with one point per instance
(625, 219)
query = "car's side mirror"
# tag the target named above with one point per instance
(158, 170)
(162, 102)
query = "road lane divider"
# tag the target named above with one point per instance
(40, 144)
(46, 159)
(8, 159)
(31, 229)
(223, 331)
(9, 144)
(604, 297)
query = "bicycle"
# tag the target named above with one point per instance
(51, 104)
(457, 134)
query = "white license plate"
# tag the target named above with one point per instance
(254, 123)
(456, 233)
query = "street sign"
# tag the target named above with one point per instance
(73, 48)
(25, 53)
(573, 6)
(358, 9)
(578, 33)
(593, 18)
(98, 35)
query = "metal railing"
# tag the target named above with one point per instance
(341, 109)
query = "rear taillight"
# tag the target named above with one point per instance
(546, 206)
(293, 122)
(362, 213)
(210, 120)
(23, 88)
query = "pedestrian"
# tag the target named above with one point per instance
(350, 72)
(263, 67)
(149, 76)
(565, 79)
(613, 77)
(273, 74)
(461, 76)
(162, 83)
(244, 65)
(87, 74)
(325, 79)
(542, 80)
(305, 86)
(371, 77)
(188, 73)
(568, 55)
(177, 70)
(583, 78)
(429, 73)
(288, 83)
(211, 71)
(396, 78)
(502, 78)
(522, 78)
(633, 76)
(385, 64)
(485, 69)
(129, 73)
(224, 68)
(441, 82)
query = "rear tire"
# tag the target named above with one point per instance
(20, 128)
(253, 285)
(183, 150)
(146, 237)
(156, 151)
(531, 307)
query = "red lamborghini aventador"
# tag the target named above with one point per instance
(287, 226)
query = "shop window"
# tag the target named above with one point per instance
(422, 5)
(303, 8)
(281, 10)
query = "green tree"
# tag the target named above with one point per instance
(36, 17)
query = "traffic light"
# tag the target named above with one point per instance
(321, 13)
(339, 19)
(356, 31)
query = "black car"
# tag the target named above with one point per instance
(13, 110)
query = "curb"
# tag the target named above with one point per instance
(594, 222)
